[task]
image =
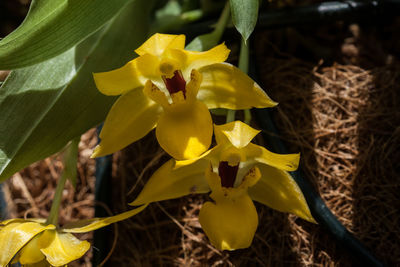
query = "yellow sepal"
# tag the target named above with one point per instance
(119, 81)
(131, 117)
(236, 133)
(225, 86)
(158, 43)
(84, 226)
(287, 162)
(196, 60)
(168, 183)
(278, 190)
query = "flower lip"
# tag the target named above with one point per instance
(227, 173)
(176, 83)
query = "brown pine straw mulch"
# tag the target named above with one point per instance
(343, 117)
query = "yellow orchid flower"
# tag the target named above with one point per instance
(171, 89)
(32, 242)
(240, 172)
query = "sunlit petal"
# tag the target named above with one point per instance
(167, 183)
(225, 86)
(237, 133)
(131, 117)
(196, 60)
(14, 236)
(185, 134)
(119, 81)
(278, 190)
(63, 248)
(84, 226)
(158, 43)
(287, 162)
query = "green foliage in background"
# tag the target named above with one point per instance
(52, 27)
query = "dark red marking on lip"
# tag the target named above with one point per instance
(176, 83)
(227, 173)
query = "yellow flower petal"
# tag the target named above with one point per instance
(84, 226)
(147, 65)
(158, 43)
(167, 183)
(225, 86)
(154, 93)
(131, 117)
(211, 155)
(19, 220)
(230, 222)
(196, 60)
(230, 225)
(31, 253)
(63, 248)
(185, 134)
(119, 81)
(287, 162)
(278, 190)
(15, 235)
(237, 133)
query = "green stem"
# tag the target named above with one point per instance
(230, 115)
(244, 66)
(244, 56)
(222, 21)
(247, 116)
(53, 216)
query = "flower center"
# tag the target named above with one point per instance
(176, 83)
(227, 173)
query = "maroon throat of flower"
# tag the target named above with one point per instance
(176, 83)
(227, 173)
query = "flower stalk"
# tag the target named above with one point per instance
(55, 206)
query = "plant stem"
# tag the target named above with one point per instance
(222, 21)
(244, 56)
(230, 115)
(53, 216)
(244, 66)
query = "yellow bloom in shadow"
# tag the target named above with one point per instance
(237, 172)
(171, 89)
(32, 242)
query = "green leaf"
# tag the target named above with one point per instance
(71, 161)
(54, 26)
(44, 106)
(244, 16)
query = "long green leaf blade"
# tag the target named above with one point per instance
(44, 106)
(244, 16)
(54, 26)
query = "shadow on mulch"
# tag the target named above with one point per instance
(376, 185)
(344, 120)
